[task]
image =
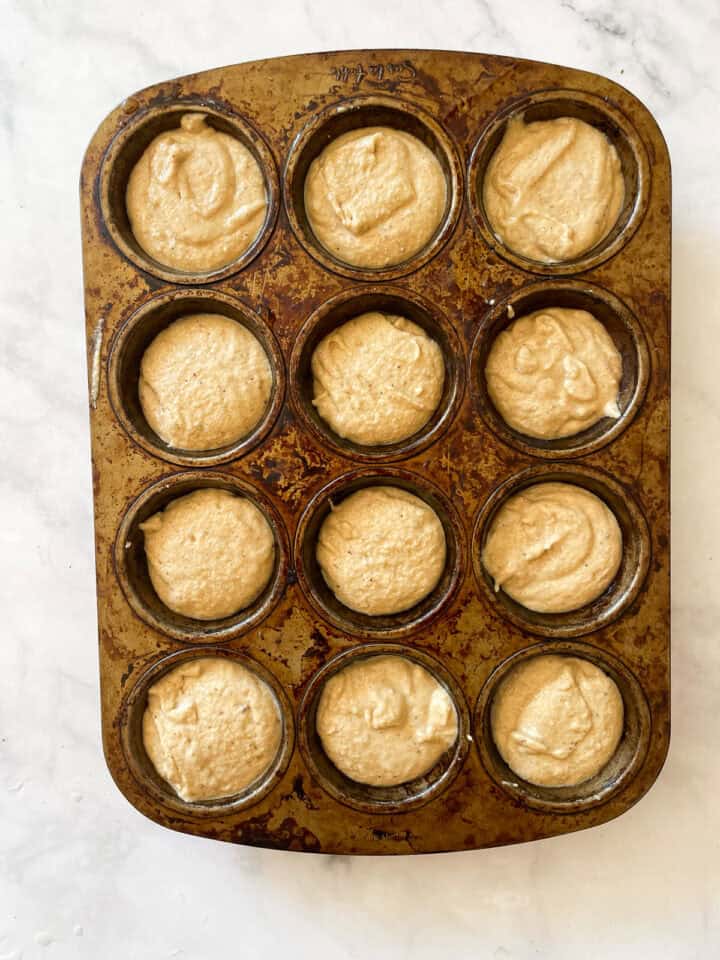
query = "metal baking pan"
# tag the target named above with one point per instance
(466, 461)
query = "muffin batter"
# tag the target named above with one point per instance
(209, 553)
(205, 382)
(554, 373)
(385, 720)
(377, 379)
(381, 550)
(553, 547)
(211, 727)
(553, 188)
(375, 196)
(557, 720)
(196, 197)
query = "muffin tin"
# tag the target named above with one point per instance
(462, 288)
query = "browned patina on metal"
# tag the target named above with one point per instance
(288, 292)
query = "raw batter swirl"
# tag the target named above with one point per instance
(554, 188)
(553, 547)
(196, 197)
(375, 196)
(557, 720)
(211, 728)
(554, 373)
(385, 720)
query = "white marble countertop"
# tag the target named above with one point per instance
(81, 873)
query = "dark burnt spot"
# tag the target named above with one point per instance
(298, 787)
(288, 836)
(127, 674)
(320, 647)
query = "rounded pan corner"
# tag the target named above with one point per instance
(100, 139)
(643, 785)
(638, 105)
(646, 779)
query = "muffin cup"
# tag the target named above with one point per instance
(614, 776)
(131, 718)
(132, 569)
(136, 335)
(351, 114)
(628, 581)
(361, 796)
(343, 307)
(126, 149)
(320, 595)
(600, 113)
(622, 326)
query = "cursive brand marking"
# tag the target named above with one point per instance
(375, 72)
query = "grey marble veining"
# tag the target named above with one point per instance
(82, 875)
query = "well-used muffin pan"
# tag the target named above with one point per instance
(463, 288)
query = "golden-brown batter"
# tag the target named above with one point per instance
(385, 720)
(375, 196)
(196, 198)
(553, 188)
(204, 383)
(554, 373)
(209, 553)
(381, 550)
(377, 379)
(557, 720)
(211, 728)
(553, 547)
